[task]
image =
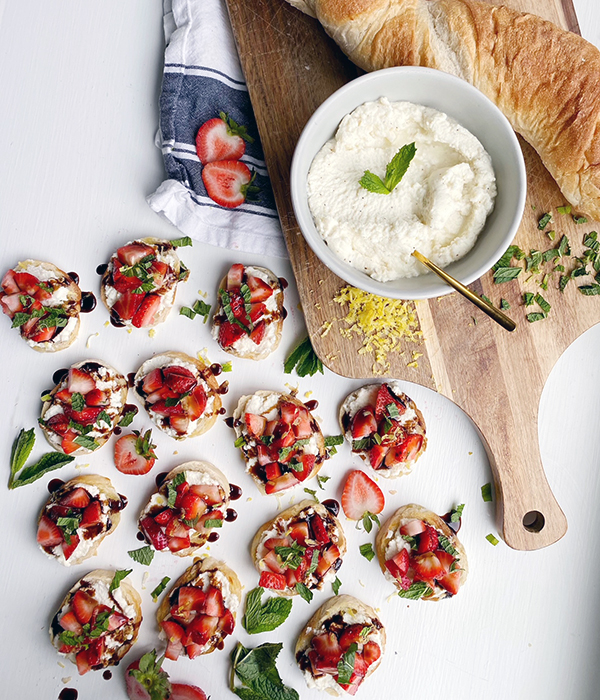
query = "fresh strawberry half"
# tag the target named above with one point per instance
(221, 139)
(145, 679)
(135, 454)
(228, 182)
(361, 495)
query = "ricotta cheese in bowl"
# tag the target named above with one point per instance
(459, 202)
(438, 208)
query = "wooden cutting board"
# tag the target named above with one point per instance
(496, 377)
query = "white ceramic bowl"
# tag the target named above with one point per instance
(468, 107)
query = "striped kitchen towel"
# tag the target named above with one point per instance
(202, 77)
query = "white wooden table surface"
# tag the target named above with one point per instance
(79, 85)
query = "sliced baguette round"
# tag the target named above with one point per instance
(203, 374)
(272, 399)
(124, 599)
(167, 253)
(111, 503)
(197, 538)
(100, 371)
(403, 515)
(203, 571)
(244, 347)
(280, 524)
(352, 611)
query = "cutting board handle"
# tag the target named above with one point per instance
(527, 513)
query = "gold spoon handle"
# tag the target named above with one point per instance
(490, 310)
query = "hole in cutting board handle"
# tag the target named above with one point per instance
(534, 521)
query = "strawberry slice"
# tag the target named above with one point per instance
(162, 409)
(413, 528)
(183, 691)
(399, 564)
(176, 544)
(70, 623)
(77, 498)
(213, 604)
(83, 662)
(371, 652)
(153, 381)
(299, 531)
(209, 493)
(229, 333)
(328, 558)
(273, 563)
(9, 283)
(11, 304)
(227, 623)
(92, 514)
(235, 277)
(87, 416)
(259, 289)
(158, 270)
(42, 335)
(255, 424)
(135, 454)
(288, 412)
(83, 606)
(153, 532)
(273, 542)
(134, 252)
(164, 517)
(123, 283)
(97, 397)
(451, 582)
(406, 452)
(180, 424)
(221, 139)
(69, 547)
(428, 540)
(269, 579)
(326, 645)
(319, 529)
(384, 399)
(228, 182)
(258, 333)
(377, 455)
(350, 635)
(179, 379)
(144, 316)
(59, 423)
(272, 471)
(195, 404)
(192, 505)
(257, 311)
(308, 464)
(27, 283)
(127, 305)
(285, 481)
(174, 634)
(68, 444)
(361, 495)
(427, 567)
(446, 560)
(48, 534)
(203, 628)
(363, 423)
(80, 382)
(191, 598)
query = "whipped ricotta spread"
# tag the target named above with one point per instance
(438, 208)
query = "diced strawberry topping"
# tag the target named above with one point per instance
(326, 645)
(413, 528)
(68, 444)
(363, 423)
(203, 628)
(258, 333)
(58, 423)
(273, 563)
(179, 379)
(384, 399)
(192, 505)
(156, 536)
(80, 382)
(9, 283)
(229, 333)
(285, 481)
(227, 622)
(259, 289)
(87, 416)
(195, 404)
(273, 542)
(427, 567)
(269, 579)
(399, 564)
(451, 582)
(371, 652)
(127, 305)
(174, 634)
(288, 412)
(83, 606)
(319, 529)
(299, 532)
(70, 623)
(70, 546)
(48, 534)
(11, 304)
(272, 471)
(329, 556)
(235, 277)
(428, 540)
(377, 454)
(134, 252)
(191, 598)
(176, 544)
(82, 661)
(350, 635)
(97, 397)
(255, 424)
(42, 335)
(213, 605)
(406, 451)
(209, 493)
(76, 498)
(144, 315)
(361, 495)
(121, 282)
(116, 620)
(308, 464)
(27, 283)
(153, 381)
(446, 560)
(158, 270)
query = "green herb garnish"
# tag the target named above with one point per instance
(304, 592)
(345, 665)
(394, 172)
(160, 588)
(181, 242)
(417, 590)
(491, 539)
(143, 555)
(256, 670)
(486, 492)
(367, 551)
(336, 585)
(120, 574)
(304, 359)
(264, 617)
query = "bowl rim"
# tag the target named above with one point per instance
(355, 277)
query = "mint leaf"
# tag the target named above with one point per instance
(304, 592)
(304, 359)
(265, 617)
(160, 588)
(335, 585)
(373, 183)
(47, 463)
(143, 555)
(346, 665)
(181, 242)
(544, 220)
(456, 513)
(256, 669)
(87, 442)
(210, 523)
(398, 166)
(20, 452)
(120, 574)
(127, 418)
(186, 311)
(417, 590)
(491, 539)
(367, 551)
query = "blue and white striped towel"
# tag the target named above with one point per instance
(202, 77)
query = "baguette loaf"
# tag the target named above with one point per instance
(543, 78)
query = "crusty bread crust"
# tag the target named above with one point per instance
(263, 349)
(208, 419)
(238, 414)
(198, 539)
(132, 598)
(418, 426)
(543, 78)
(338, 605)
(199, 567)
(72, 305)
(104, 437)
(166, 300)
(289, 515)
(412, 511)
(107, 494)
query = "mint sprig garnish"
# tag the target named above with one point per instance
(265, 617)
(394, 172)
